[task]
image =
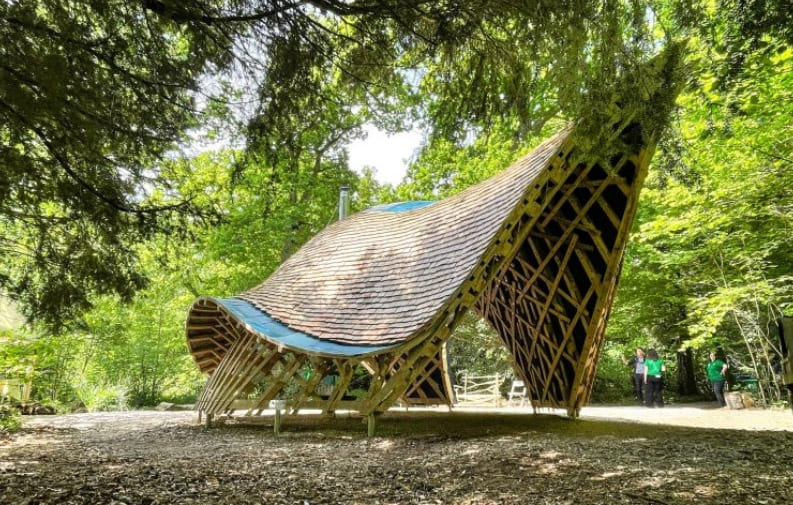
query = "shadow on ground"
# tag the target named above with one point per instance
(464, 425)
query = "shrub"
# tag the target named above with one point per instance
(100, 398)
(10, 418)
(613, 379)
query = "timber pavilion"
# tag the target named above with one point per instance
(535, 250)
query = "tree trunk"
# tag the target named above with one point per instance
(686, 385)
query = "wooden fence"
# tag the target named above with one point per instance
(479, 389)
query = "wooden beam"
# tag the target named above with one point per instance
(293, 363)
(223, 388)
(220, 376)
(586, 367)
(346, 370)
(320, 367)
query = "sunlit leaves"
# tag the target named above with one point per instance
(711, 253)
(92, 96)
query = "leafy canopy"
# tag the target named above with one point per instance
(97, 96)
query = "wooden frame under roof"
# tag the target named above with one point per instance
(536, 251)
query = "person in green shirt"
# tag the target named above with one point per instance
(654, 369)
(717, 370)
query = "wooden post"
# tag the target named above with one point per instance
(277, 423)
(371, 424)
(209, 420)
(277, 405)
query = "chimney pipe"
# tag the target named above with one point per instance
(344, 201)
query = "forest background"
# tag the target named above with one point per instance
(152, 152)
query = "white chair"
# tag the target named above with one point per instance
(517, 391)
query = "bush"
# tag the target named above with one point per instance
(101, 398)
(612, 380)
(182, 388)
(10, 418)
(476, 348)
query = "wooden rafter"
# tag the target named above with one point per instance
(290, 365)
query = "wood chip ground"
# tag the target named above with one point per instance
(427, 457)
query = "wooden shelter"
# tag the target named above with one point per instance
(535, 250)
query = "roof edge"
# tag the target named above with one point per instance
(273, 331)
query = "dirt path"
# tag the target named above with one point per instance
(611, 455)
(697, 415)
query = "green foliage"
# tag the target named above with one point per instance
(613, 382)
(98, 96)
(98, 204)
(369, 192)
(10, 419)
(475, 347)
(444, 168)
(134, 354)
(93, 96)
(40, 360)
(140, 348)
(102, 398)
(710, 263)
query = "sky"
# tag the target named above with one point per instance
(389, 155)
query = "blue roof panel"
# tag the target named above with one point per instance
(401, 206)
(279, 333)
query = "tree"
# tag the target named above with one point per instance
(96, 96)
(93, 97)
(710, 266)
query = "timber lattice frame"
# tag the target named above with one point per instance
(536, 251)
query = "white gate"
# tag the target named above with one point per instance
(478, 389)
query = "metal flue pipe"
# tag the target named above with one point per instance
(344, 202)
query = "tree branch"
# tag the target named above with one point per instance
(181, 16)
(773, 156)
(66, 166)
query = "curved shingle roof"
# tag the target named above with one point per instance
(380, 276)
